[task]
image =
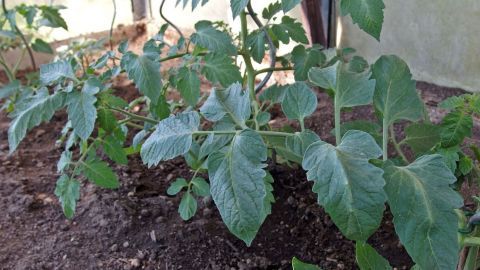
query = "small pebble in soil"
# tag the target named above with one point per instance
(135, 263)
(114, 248)
(125, 244)
(140, 255)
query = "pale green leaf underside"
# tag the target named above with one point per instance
(299, 101)
(351, 89)
(82, 113)
(368, 14)
(348, 186)
(146, 75)
(233, 102)
(39, 108)
(171, 138)
(396, 95)
(369, 259)
(56, 70)
(237, 184)
(68, 192)
(422, 203)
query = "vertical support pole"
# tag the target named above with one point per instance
(139, 9)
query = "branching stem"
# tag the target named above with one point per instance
(397, 146)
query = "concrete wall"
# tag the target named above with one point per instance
(440, 40)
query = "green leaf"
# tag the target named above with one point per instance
(51, 14)
(213, 143)
(64, 161)
(145, 73)
(189, 85)
(369, 259)
(366, 126)
(348, 186)
(288, 5)
(68, 192)
(232, 101)
(238, 6)
(290, 29)
(100, 174)
(177, 186)
(107, 119)
(187, 207)
(220, 68)
(452, 102)
(304, 59)
(422, 137)
(57, 70)
(237, 184)
(10, 88)
(256, 45)
(214, 40)
(269, 197)
(200, 187)
(422, 204)
(161, 109)
(351, 89)
(273, 94)
(396, 94)
(450, 156)
(82, 113)
(299, 142)
(368, 14)
(41, 46)
(171, 138)
(299, 101)
(270, 11)
(465, 165)
(31, 113)
(113, 148)
(455, 127)
(299, 265)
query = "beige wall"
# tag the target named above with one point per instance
(440, 40)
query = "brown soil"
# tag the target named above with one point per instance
(137, 226)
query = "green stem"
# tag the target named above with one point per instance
(249, 67)
(135, 116)
(265, 70)
(19, 61)
(261, 132)
(471, 261)
(302, 124)
(397, 145)
(8, 71)
(82, 157)
(337, 111)
(385, 139)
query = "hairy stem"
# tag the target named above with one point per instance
(261, 132)
(113, 22)
(8, 71)
(260, 71)
(22, 37)
(168, 21)
(337, 110)
(249, 68)
(397, 145)
(271, 47)
(385, 139)
(135, 116)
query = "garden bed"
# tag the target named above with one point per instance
(137, 225)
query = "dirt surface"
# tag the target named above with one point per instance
(138, 227)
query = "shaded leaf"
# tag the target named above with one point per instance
(290, 29)
(422, 204)
(422, 137)
(145, 73)
(273, 94)
(220, 68)
(238, 6)
(396, 94)
(304, 59)
(299, 101)
(99, 173)
(299, 265)
(369, 259)
(214, 40)
(189, 85)
(68, 192)
(237, 184)
(368, 14)
(288, 5)
(200, 187)
(177, 186)
(455, 127)
(187, 207)
(300, 141)
(41, 46)
(348, 186)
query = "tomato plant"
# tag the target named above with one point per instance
(227, 134)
